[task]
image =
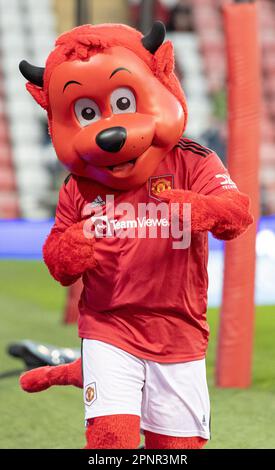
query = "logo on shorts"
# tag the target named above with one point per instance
(90, 393)
(204, 423)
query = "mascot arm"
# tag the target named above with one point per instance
(226, 215)
(43, 378)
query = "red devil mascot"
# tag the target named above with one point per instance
(116, 115)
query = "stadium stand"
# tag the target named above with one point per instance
(34, 26)
(208, 24)
(193, 81)
(9, 207)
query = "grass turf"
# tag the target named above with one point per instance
(31, 304)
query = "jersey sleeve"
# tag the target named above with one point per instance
(66, 214)
(209, 176)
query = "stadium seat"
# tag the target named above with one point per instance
(31, 181)
(267, 154)
(267, 131)
(25, 131)
(27, 155)
(194, 83)
(9, 205)
(7, 178)
(5, 154)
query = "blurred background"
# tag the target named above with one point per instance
(31, 303)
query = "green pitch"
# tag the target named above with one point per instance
(31, 304)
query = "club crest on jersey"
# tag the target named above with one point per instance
(90, 393)
(158, 184)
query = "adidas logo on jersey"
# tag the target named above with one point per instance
(98, 201)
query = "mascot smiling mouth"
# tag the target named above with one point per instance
(123, 166)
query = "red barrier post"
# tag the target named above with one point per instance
(235, 342)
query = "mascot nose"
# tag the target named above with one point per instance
(111, 139)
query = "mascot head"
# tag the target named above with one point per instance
(114, 104)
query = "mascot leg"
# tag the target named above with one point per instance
(113, 432)
(160, 441)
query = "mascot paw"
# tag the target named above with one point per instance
(35, 380)
(201, 219)
(76, 250)
(42, 378)
(69, 254)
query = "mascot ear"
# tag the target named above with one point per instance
(155, 37)
(38, 94)
(164, 58)
(34, 75)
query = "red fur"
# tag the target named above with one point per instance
(84, 41)
(42, 378)
(113, 432)
(227, 215)
(160, 441)
(38, 94)
(69, 254)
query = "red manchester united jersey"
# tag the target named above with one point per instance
(144, 296)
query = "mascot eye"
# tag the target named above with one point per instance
(86, 111)
(123, 101)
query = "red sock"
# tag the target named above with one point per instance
(113, 432)
(160, 441)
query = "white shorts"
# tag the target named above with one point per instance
(171, 399)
